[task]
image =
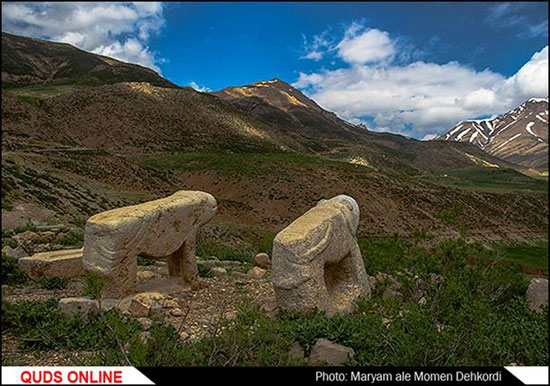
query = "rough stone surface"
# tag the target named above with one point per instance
(161, 228)
(296, 351)
(63, 263)
(145, 323)
(16, 252)
(141, 304)
(325, 351)
(256, 272)
(317, 262)
(219, 271)
(83, 307)
(537, 294)
(262, 260)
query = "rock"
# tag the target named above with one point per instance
(241, 275)
(64, 263)
(170, 303)
(156, 229)
(142, 303)
(16, 252)
(389, 293)
(183, 335)
(82, 307)
(256, 272)
(27, 237)
(218, 271)
(422, 301)
(145, 323)
(325, 351)
(145, 275)
(317, 262)
(262, 260)
(177, 312)
(144, 337)
(271, 309)
(537, 294)
(297, 352)
(42, 248)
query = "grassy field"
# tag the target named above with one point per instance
(35, 93)
(490, 179)
(527, 255)
(249, 164)
(474, 314)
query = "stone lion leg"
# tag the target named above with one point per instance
(346, 281)
(183, 263)
(121, 279)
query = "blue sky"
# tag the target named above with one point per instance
(409, 68)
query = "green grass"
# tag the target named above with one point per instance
(527, 255)
(35, 93)
(247, 164)
(207, 247)
(476, 315)
(490, 179)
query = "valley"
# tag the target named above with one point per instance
(464, 217)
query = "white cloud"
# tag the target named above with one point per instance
(369, 46)
(117, 29)
(199, 88)
(530, 81)
(419, 99)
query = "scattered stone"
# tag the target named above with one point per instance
(27, 237)
(141, 304)
(145, 275)
(170, 303)
(183, 335)
(271, 309)
(256, 272)
(177, 312)
(537, 294)
(218, 271)
(262, 260)
(386, 322)
(42, 248)
(317, 262)
(325, 351)
(82, 307)
(297, 352)
(241, 275)
(144, 336)
(145, 323)
(16, 252)
(159, 228)
(65, 263)
(389, 293)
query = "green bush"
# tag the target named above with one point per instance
(475, 314)
(11, 273)
(93, 284)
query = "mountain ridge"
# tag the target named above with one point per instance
(519, 136)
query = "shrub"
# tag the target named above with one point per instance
(11, 273)
(93, 284)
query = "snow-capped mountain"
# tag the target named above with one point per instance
(519, 136)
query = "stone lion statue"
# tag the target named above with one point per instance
(317, 263)
(161, 228)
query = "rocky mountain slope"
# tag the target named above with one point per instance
(27, 61)
(73, 149)
(519, 136)
(280, 104)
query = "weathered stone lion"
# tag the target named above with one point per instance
(155, 229)
(316, 260)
